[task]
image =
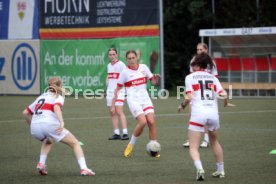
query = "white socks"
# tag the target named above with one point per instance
(220, 166)
(43, 159)
(198, 164)
(82, 163)
(117, 131)
(133, 140)
(206, 137)
(125, 131)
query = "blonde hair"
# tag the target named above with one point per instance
(55, 85)
(204, 45)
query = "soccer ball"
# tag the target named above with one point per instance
(153, 148)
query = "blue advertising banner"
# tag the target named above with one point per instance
(4, 17)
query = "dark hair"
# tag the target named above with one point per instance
(112, 49)
(203, 60)
(131, 51)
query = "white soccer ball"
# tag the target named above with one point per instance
(153, 148)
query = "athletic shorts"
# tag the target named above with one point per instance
(43, 130)
(137, 109)
(197, 123)
(120, 100)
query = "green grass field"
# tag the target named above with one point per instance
(248, 134)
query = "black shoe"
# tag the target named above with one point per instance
(125, 137)
(114, 137)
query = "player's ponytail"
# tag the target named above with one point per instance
(55, 86)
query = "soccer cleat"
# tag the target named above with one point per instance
(41, 168)
(186, 144)
(157, 156)
(115, 137)
(204, 144)
(128, 150)
(125, 137)
(219, 174)
(87, 172)
(200, 175)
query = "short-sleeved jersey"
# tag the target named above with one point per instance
(204, 88)
(42, 108)
(210, 70)
(135, 82)
(113, 71)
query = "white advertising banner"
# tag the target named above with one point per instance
(19, 67)
(238, 31)
(23, 19)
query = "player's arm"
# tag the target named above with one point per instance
(58, 112)
(116, 92)
(155, 80)
(187, 100)
(106, 81)
(28, 115)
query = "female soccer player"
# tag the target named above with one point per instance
(44, 116)
(202, 90)
(203, 48)
(134, 78)
(114, 69)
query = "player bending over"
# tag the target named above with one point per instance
(44, 116)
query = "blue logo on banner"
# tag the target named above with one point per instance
(24, 66)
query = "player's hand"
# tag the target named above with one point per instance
(179, 109)
(112, 109)
(157, 79)
(59, 129)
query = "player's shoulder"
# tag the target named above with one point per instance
(143, 66)
(190, 74)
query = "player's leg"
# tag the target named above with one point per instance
(187, 144)
(194, 140)
(46, 145)
(115, 123)
(72, 142)
(137, 112)
(218, 154)
(114, 117)
(196, 128)
(122, 117)
(205, 141)
(141, 123)
(152, 126)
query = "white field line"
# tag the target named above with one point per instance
(156, 115)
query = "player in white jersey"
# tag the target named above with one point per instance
(114, 68)
(45, 118)
(203, 90)
(203, 48)
(134, 78)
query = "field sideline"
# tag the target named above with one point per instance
(248, 134)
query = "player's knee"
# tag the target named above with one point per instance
(151, 123)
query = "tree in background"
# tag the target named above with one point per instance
(184, 18)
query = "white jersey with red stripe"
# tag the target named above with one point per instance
(135, 82)
(204, 88)
(213, 70)
(113, 70)
(42, 108)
